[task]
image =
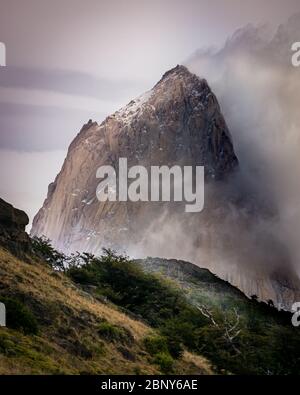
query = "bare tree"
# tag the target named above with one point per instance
(230, 327)
(208, 314)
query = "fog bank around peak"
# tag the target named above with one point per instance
(259, 92)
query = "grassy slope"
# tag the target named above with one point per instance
(68, 341)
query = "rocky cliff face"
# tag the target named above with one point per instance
(177, 122)
(12, 228)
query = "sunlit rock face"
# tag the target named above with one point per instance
(178, 122)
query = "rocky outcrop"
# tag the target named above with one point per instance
(12, 229)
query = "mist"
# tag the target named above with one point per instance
(259, 92)
(249, 231)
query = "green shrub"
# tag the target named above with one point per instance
(81, 276)
(114, 333)
(155, 345)
(19, 317)
(158, 348)
(165, 362)
(175, 346)
(42, 247)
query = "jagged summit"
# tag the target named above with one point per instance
(176, 84)
(178, 71)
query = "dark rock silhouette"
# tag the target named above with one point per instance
(12, 229)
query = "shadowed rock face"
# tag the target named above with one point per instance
(12, 228)
(177, 122)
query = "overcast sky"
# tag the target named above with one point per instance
(71, 60)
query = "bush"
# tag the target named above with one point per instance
(114, 333)
(155, 345)
(42, 247)
(19, 317)
(158, 348)
(81, 276)
(175, 347)
(165, 362)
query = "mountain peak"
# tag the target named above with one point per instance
(176, 87)
(180, 72)
(177, 122)
(179, 69)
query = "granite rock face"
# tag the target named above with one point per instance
(177, 122)
(12, 229)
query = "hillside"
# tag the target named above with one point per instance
(194, 309)
(244, 335)
(76, 333)
(198, 284)
(87, 314)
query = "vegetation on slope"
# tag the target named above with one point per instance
(208, 316)
(54, 327)
(109, 314)
(244, 335)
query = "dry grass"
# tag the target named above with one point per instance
(45, 285)
(76, 316)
